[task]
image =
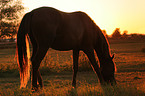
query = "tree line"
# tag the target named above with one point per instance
(117, 35)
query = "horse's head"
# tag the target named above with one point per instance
(108, 70)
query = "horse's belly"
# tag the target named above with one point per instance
(63, 45)
(67, 41)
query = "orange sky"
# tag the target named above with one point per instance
(108, 14)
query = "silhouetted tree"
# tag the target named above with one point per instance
(124, 35)
(10, 12)
(116, 33)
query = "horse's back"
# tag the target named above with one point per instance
(45, 17)
(65, 31)
(44, 23)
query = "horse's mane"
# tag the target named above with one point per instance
(104, 44)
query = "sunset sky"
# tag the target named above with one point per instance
(108, 14)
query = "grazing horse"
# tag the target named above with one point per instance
(50, 28)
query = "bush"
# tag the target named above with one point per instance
(50, 65)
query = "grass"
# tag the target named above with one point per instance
(56, 69)
(60, 85)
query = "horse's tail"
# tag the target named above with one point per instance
(22, 50)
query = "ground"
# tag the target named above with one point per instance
(56, 70)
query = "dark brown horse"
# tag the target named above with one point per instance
(50, 28)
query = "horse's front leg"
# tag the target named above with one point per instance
(75, 66)
(91, 56)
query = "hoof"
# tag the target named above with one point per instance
(74, 85)
(34, 89)
(40, 86)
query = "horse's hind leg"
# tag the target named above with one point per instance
(75, 66)
(39, 75)
(40, 79)
(34, 45)
(91, 56)
(35, 67)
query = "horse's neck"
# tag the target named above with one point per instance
(103, 50)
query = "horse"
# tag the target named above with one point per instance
(47, 27)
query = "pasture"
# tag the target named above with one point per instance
(56, 70)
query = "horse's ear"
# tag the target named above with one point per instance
(112, 56)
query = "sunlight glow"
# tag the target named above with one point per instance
(108, 14)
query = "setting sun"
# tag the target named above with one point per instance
(108, 14)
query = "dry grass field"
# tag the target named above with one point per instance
(56, 70)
